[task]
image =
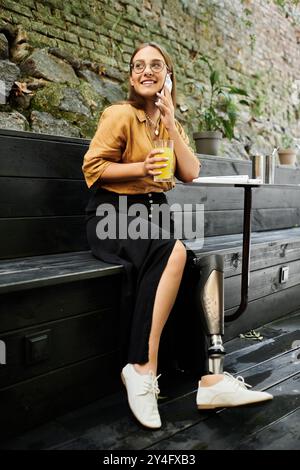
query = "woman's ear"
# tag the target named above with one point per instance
(131, 81)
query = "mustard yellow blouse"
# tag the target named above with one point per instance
(123, 137)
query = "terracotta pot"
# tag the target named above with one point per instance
(207, 143)
(287, 156)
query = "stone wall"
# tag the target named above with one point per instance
(63, 62)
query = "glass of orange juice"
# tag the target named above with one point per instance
(167, 173)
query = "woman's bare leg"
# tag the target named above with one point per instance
(166, 294)
(165, 297)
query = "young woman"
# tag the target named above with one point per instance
(121, 163)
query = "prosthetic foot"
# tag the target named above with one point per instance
(229, 391)
(210, 304)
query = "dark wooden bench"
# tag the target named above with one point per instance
(59, 306)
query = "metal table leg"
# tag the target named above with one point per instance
(245, 254)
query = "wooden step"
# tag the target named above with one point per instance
(283, 434)
(108, 424)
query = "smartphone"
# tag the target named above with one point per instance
(168, 83)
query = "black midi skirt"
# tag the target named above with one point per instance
(144, 259)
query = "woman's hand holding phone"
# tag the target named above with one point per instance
(168, 84)
(165, 104)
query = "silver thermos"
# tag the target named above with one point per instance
(258, 167)
(270, 168)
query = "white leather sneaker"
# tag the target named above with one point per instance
(229, 392)
(142, 393)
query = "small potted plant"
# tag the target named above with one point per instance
(219, 113)
(287, 152)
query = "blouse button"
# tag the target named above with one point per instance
(150, 201)
(150, 216)
(149, 194)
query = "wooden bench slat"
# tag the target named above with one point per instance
(45, 271)
(35, 307)
(42, 235)
(39, 155)
(42, 197)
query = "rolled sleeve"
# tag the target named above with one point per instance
(107, 146)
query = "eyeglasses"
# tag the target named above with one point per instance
(155, 65)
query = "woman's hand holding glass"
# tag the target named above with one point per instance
(153, 163)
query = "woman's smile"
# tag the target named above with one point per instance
(148, 82)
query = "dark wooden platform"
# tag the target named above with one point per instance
(272, 364)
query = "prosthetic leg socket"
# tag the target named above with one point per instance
(210, 305)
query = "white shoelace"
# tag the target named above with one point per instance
(151, 385)
(239, 380)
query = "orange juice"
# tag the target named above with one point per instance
(167, 173)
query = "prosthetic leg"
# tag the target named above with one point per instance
(210, 305)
